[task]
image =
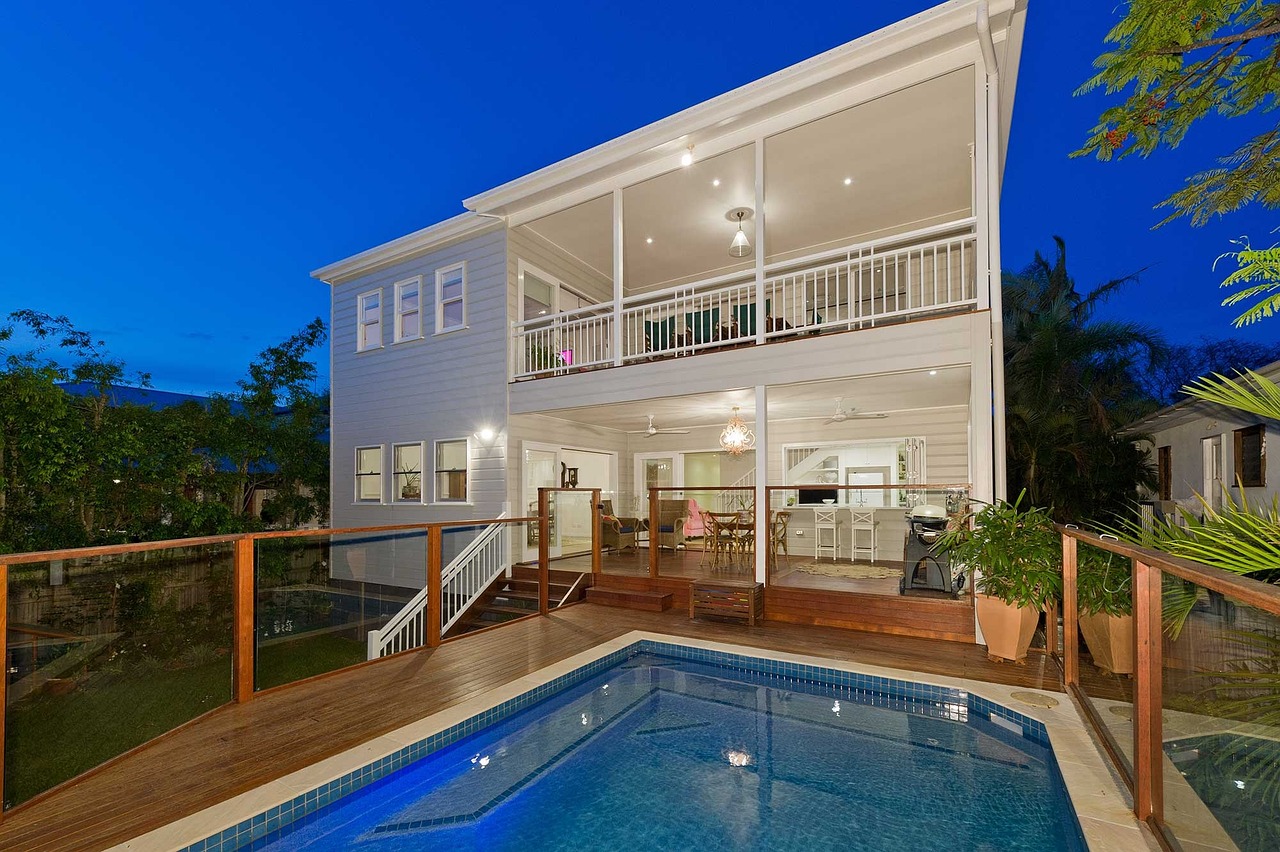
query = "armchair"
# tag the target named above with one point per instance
(616, 534)
(670, 527)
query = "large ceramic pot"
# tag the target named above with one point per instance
(1007, 629)
(1110, 640)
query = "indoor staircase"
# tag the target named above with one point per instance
(508, 598)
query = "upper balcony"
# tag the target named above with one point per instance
(925, 273)
(858, 218)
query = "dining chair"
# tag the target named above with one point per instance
(778, 536)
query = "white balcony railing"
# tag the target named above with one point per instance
(859, 286)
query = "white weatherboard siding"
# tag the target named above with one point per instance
(439, 387)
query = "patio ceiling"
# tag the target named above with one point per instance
(906, 155)
(866, 395)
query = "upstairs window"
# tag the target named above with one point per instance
(1251, 456)
(406, 486)
(369, 474)
(1164, 472)
(369, 320)
(409, 309)
(451, 471)
(451, 298)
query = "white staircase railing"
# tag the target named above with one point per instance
(735, 501)
(461, 581)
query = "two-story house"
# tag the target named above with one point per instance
(817, 251)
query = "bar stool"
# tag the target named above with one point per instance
(863, 521)
(826, 521)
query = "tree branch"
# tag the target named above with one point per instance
(1263, 30)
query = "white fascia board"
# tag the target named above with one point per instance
(672, 134)
(407, 247)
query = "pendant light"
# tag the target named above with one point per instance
(741, 246)
(736, 437)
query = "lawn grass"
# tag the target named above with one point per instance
(51, 738)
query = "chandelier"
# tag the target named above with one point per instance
(736, 437)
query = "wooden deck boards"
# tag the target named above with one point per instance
(239, 747)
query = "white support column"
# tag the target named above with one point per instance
(617, 277)
(981, 431)
(759, 146)
(997, 300)
(762, 482)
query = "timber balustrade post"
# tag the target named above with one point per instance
(595, 531)
(242, 652)
(544, 548)
(1148, 757)
(1070, 614)
(654, 535)
(435, 560)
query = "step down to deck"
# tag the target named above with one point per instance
(647, 601)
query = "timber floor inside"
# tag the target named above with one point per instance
(239, 747)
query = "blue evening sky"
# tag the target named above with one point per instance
(173, 171)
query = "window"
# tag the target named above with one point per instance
(1164, 472)
(451, 471)
(406, 483)
(408, 309)
(369, 320)
(451, 298)
(1251, 456)
(369, 474)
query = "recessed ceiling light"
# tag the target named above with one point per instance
(933, 372)
(715, 182)
(848, 181)
(686, 159)
(649, 240)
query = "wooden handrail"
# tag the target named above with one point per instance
(35, 556)
(112, 549)
(1256, 593)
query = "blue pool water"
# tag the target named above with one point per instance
(662, 753)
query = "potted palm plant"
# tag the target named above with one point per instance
(1016, 556)
(1103, 593)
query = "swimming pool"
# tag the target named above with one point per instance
(662, 746)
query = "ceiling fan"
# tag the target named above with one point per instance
(842, 414)
(654, 430)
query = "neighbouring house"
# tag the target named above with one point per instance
(1205, 450)
(817, 250)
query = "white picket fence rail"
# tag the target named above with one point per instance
(461, 581)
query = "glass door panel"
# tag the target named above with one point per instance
(541, 470)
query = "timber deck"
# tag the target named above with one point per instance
(239, 747)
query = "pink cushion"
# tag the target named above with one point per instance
(693, 525)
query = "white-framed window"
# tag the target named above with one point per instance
(406, 473)
(452, 471)
(369, 474)
(451, 298)
(369, 320)
(409, 309)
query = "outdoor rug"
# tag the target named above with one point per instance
(849, 571)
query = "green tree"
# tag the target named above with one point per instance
(1071, 388)
(1177, 61)
(79, 468)
(270, 433)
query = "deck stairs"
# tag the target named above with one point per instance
(515, 596)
